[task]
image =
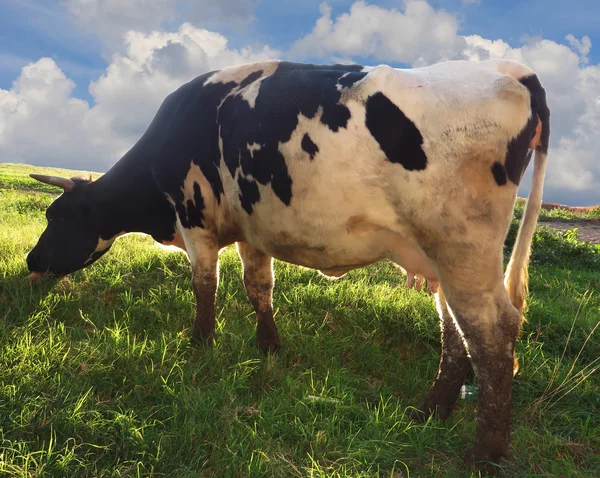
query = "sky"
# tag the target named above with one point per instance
(80, 80)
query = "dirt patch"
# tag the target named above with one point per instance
(588, 229)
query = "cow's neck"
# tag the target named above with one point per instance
(130, 201)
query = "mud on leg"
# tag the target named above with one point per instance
(455, 365)
(203, 252)
(258, 279)
(490, 325)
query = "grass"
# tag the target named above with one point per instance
(562, 214)
(99, 379)
(16, 177)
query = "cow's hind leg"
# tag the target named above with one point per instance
(258, 279)
(490, 325)
(202, 249)
(454, 366)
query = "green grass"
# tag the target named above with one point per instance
(99, 378)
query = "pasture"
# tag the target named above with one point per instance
(99, 377)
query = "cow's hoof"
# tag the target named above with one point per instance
(202, 339)
(267, 339)
(419, 416)
(484, 468)
(440, 406)
(439, 411)
(486, 459)
(269, 346)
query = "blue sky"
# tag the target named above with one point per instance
(30, 31)
(84, 41)
(33, 29)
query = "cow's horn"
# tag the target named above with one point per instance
(64, 183)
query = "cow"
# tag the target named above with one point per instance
(335, 167)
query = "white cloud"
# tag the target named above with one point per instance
(419, 35)
(583, 46)
(110, 20)
(42, 123)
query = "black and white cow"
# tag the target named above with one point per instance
(334, 168)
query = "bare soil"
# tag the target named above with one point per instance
(588, 229)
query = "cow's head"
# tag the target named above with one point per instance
(72, 239)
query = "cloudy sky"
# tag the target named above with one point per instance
(81, 79)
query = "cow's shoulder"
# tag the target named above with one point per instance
(292, 104)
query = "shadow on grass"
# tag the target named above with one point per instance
(124, 380)
(21, 298)
(158, 292)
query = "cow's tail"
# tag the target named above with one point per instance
(516, 279)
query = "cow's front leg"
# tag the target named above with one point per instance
(202, 249)
(454, 365)
(258, 279)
